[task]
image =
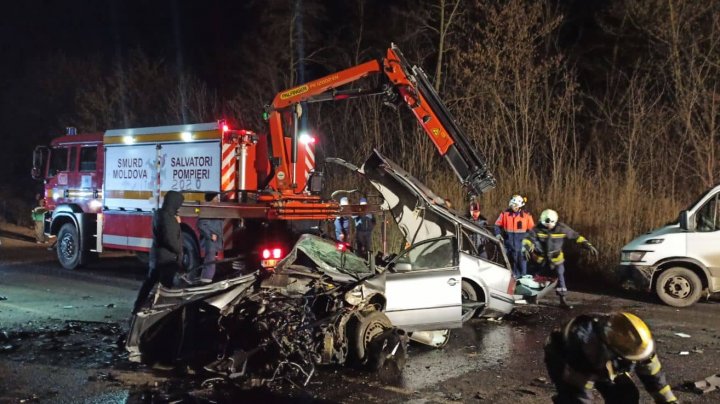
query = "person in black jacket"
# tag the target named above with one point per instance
(600, 351)
(166, 251)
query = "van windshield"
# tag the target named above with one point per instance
(698, 199)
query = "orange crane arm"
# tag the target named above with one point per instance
(407, 84)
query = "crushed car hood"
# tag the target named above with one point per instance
(419, 212)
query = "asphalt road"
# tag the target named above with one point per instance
(59, 333)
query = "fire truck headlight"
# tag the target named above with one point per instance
(95, 204)
(186, 136)
(128, 139)
(56, 195)
(305, 138)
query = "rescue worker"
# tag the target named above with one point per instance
(342, 224)
(600, 351)
(166, 251)
(38, 216)
(211, 231)
(364, 225)
(511, 227)
(545, 243)
(478, 240)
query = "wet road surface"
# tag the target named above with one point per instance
(62, 331)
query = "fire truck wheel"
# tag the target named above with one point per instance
(191, 252)
(68, 247)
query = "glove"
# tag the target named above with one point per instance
(592, 249)
(499, 237)
(526, 253)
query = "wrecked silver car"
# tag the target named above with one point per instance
(321, 306)
(436, 234)
(324, 305)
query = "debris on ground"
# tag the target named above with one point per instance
(3, 297)
(708, 384)
(684, 353)
(682, 335)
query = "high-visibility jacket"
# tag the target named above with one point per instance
(514, 222)
(588, 360)
(547, 244)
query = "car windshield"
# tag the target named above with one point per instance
(329, 258)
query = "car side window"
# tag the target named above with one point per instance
(432, 254)
(88, 158)
(706, 218)
(58, 161)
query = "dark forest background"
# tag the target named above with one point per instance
(606, 111)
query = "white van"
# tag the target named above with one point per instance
(680, 261)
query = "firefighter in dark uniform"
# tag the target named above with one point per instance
(478, 240)
(166, 253)
(600, 351)
(544, 246)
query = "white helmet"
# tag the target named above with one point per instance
(517, 201)
(344, 201)
(549, 218)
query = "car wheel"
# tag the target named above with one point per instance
(366, 329)
(678, 287)
(68, 247)
(469, 295)
(191, 252)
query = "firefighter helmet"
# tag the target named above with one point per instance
(344, 201)
(549, 218)
(628, 336)
(517, 201)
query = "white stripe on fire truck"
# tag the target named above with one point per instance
(309, 152)
(228, 235)
(128, 241)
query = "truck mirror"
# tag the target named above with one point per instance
(38, 162)
(685, 222)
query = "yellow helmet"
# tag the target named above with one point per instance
(628, 336)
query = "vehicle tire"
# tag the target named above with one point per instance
(191, 252)
(678, 287)
(469, 295)
(69, 251)
(368, 326)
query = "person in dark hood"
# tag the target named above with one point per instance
(166, 251)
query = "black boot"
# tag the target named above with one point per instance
(564, 304)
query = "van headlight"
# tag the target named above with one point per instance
(654, 241)
(632, 256)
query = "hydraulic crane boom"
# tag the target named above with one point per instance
(405, 83)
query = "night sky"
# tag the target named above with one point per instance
(203, 38)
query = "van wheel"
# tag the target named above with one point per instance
(678, 287)
(191, 252)
(469, 295)
(69, 251)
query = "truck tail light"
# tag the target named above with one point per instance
(270, 257)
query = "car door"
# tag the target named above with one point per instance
(423, 287)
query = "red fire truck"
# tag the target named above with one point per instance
(102, 188)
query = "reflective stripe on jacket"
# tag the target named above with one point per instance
(547, 244)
